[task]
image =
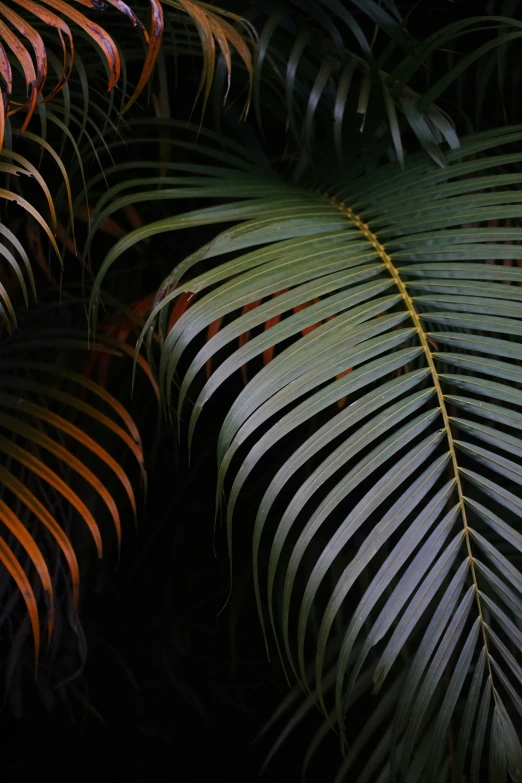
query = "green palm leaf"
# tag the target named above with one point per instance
(423, 466)
(357, 66)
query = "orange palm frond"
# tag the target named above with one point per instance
(52, 464)
(216, 31)
(32, 57)
(23, 43)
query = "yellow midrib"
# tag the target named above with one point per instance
(394, 273)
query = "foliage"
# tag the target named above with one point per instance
(392, 305)
(368, 292)
(65, 435)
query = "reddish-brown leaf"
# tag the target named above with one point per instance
(3, 102)
(20, 532)
(67, 457)
(36, 465)
(245, 337)
(78, 434)
(268, 355)
(62, 28)
(153, 46)
(98, 35)
(35, 40)
(212, 330)
(24, 58)
(20, 489)
(182, 303)
(6, 71)
(120, 6)
(8, 558)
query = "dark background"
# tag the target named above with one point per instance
(174, 688)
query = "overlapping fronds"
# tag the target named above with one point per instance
(395, 521)
(30, 20)
(76, 119)
(62, 446)
(27, 43)
(353, 68)
(221, 33)
(60, 63)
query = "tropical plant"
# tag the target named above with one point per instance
(386, 543)
(62, 432)
(367, 292)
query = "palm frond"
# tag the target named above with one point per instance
(72, 92)
(55, 470)
(348, 69)
(411, 493)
